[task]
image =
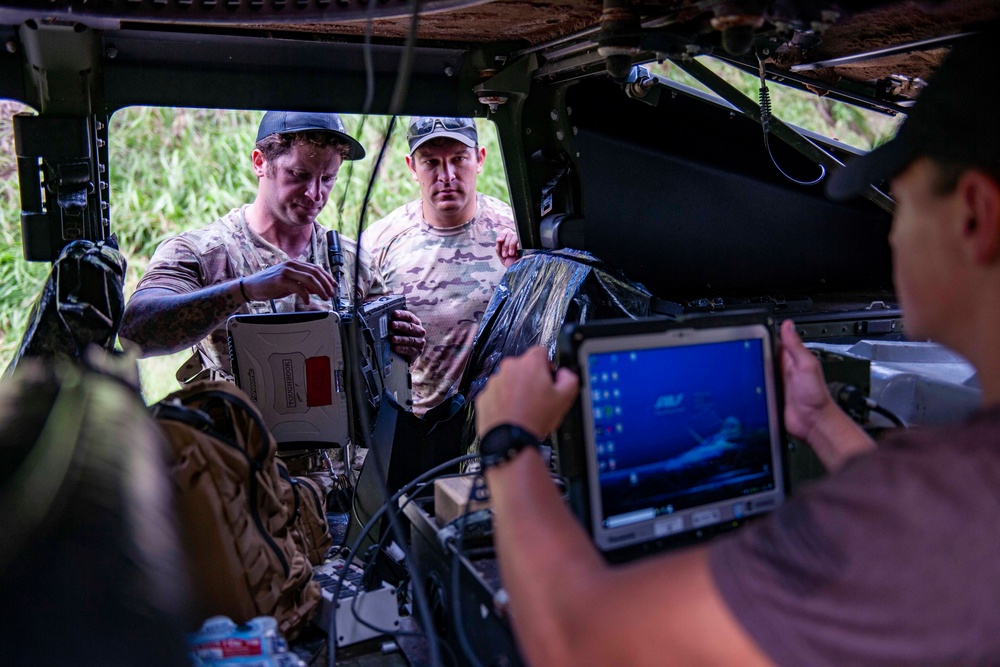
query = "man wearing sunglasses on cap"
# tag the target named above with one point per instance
(269, 256)
(446, 251)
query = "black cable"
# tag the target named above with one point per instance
(765, 123)
(353, 381)
(456, 561)
(406, 63)
(366, 53)
(851, 400)
(352, 552)
(875, 407)
(381, 545)
(371, 562)
(854, 402)
(347, 184)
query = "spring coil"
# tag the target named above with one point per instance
(764, 97)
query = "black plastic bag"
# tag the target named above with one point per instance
(538, 294)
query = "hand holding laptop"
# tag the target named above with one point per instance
(525, 393)
(810, 413)
(408, 336)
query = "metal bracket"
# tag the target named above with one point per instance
(60, 167)
(641, 85)
(513, 81)
(60, 59)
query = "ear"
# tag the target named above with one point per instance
(480, 159)
(259, 163)
(980, 196)
(410, 164)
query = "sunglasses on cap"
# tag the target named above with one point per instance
(420, 127)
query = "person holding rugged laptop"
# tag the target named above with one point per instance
(264, 257)
(889, 560)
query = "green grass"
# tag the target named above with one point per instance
(178, 169)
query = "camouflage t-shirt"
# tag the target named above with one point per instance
(448, 277)
(227, 249)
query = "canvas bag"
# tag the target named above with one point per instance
(310, 529)
(230, 498)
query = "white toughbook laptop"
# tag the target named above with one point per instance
(292, 367)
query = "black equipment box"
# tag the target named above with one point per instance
(464, 591)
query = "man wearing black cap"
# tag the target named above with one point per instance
(894, 558)
(267, 256)
(446, 251)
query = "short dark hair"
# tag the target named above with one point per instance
(274, 146)
(949, 172)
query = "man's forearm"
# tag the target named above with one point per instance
(163, 322)
(544, 556)
(569, 608)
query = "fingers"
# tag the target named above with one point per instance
(567, 383)
(524, 393)
(402, 318)
(790, 340)
(409, 348)
(795, 356)
(291, 277)
(508, 248)
(409, 336)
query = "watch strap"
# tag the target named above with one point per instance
(502, 443)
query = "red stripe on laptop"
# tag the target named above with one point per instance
(319, 382)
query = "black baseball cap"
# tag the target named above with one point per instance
(953, 121)
(424, 128)
(285, 122)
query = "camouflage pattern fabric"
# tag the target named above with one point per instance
(448, 277)
(228, 249)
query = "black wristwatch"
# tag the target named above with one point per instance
(502, 443)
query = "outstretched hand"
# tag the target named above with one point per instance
(807, 400)
(408, 334)
(525, 393)
(291, 277)
(508, 247)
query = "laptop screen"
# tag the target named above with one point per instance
(681, 432)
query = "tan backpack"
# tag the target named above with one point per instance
(310, 528)
(231, 502)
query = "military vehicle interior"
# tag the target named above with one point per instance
(675, 187)
(680, 189)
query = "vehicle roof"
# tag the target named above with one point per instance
(558, 80)
(882, 50)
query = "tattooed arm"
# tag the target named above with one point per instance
(162, 321)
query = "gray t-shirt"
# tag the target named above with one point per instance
(893, 560)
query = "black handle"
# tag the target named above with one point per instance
(333, 250)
